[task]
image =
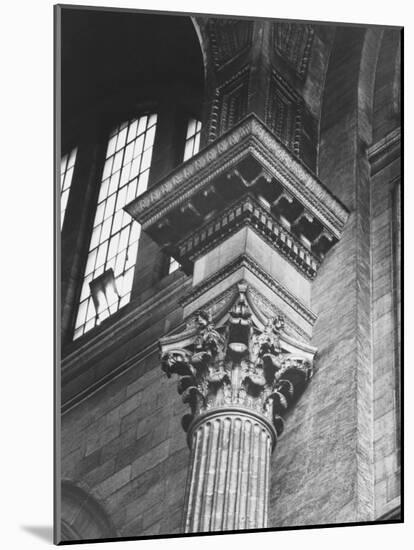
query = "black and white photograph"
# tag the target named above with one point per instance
(205, 207)
(228, 196)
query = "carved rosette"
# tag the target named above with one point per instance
(238, 379)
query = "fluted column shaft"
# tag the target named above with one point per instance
(228, 481)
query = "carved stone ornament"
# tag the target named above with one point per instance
(250, 138)
(236, 365)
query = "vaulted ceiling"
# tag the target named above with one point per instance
(104, 52)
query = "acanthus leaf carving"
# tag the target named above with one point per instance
(237, 365)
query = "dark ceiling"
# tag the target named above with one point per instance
(104, 52)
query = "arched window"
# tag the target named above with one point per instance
(113, 247)
(67, 165)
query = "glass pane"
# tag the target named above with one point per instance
(127, 282)
(100, 258)
(107, 168)
(86, 291)
(114, 132)
(135, 232)
(124, 175)
(98, 271)
(90, 264)
(78, 332)
(174, 265)
(89, 324)
(83, 306)
(99, 214)
(117, 221)
(120, 263)
(188, 151)
(192, 142)
(126, 219)
(95, 237)
(152, 120)
(143, 182)
(132, 190)
(196, 144)
(132, 132)
(117, 161)
(121, 139)
(135, 167)
(114, 182)
(131, 255)
(139, 145)
(146, 159)
(124, 300)
(111, 147)
(110, 264)
(129, 151)
(67, 164)
(91, 310)
(113, 246)
(123, 239)
(149, 139)
(63, 201)
(120, 201)
(191, 129)
(63, 164)
(103, 192)
(110, 205)
(106, 228)
(142, 124)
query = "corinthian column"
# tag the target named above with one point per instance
(237, 380)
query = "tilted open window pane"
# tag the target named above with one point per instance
(173, 266)
(67, 165)
(114, 238)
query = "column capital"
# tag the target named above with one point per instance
(235, 363)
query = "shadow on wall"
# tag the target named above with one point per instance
(43, 532)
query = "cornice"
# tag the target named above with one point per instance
(300, 182)
(249, 137)
(247, 262)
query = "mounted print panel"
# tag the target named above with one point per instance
(230, 296)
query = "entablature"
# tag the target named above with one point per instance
(246, 175)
